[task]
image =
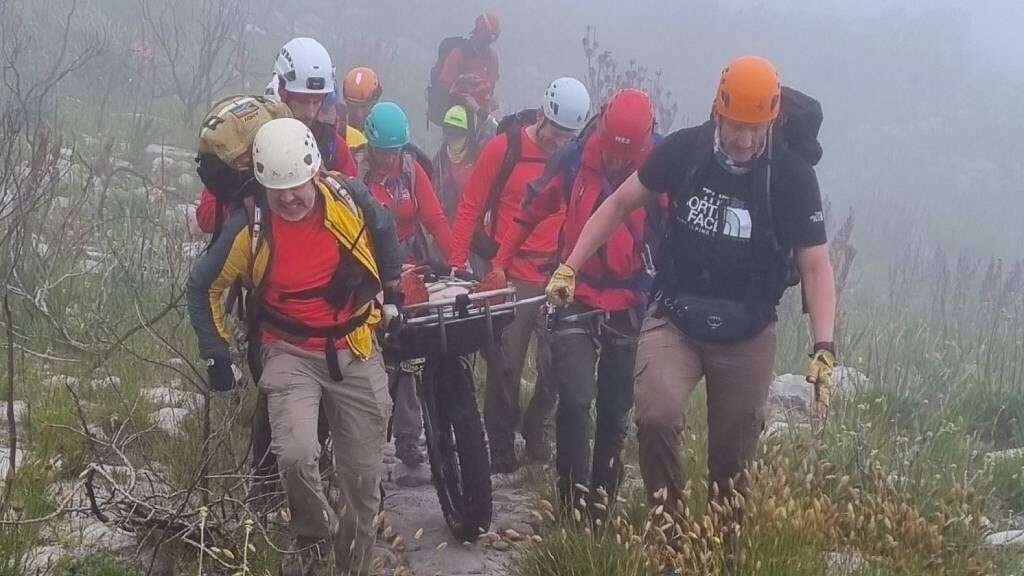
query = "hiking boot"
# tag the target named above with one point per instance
(504, 462)
(309, 560)
(408, 451)
(538, 452)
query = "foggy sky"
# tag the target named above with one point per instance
(921, 99)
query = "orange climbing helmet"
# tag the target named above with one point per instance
(362, 86)
(750, 91)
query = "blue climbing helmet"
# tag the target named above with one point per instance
(387, 127)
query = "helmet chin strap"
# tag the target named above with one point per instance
(731, 166)
(457, 149)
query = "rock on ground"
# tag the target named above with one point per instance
(170, 420)
(89, 536)
(5, 459)
(411, 476)
(780, 426)
(60, 381)
(43, 560)
(188, 182)
(1004, 455)
(166, 396)
(155, 151)
(107, 382)
(849, 378)
(20, 412)
(79, 536)
(791, 392)
(844, 563)
(409, 509)
(1008, 538)
(187, 213)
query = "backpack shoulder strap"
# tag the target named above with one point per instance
(260, 232)
(335, 182)
(513, 152)
(769, 220)
(255, 213)
(409, 175)
(571, 165)
(361, 158)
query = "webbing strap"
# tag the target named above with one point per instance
(332, 334)
(607, 282)
(331, 351)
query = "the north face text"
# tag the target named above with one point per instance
(710, 213)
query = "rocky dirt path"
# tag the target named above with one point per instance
(411, 505)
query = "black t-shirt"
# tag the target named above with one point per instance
(717, 215)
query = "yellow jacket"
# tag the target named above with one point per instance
(361, 227)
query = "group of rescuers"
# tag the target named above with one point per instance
(316, 199)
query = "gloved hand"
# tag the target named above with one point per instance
(388, 314)
(562, 286)
(413, 289)
(495, 280)
(221, 374)
(462, 271)
(819, 373)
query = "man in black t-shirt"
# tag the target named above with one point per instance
(745, 217)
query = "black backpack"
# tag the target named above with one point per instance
(799, 123)
(229, 186)
(438, 100)
(425, 162)
(485, 244)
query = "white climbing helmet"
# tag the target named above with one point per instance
(284, 154)
(567, 103)
(271, 90)
(305, 66)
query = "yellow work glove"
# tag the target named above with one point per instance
(819, 373)
(562, 286)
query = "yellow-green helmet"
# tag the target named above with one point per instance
(457, 117)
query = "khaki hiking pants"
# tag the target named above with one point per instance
(668, 367)
(296, 383)
(504, 376)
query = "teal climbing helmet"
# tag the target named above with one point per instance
(387, 127)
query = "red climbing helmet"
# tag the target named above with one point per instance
(627, 123)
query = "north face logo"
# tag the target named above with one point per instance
(737, 223)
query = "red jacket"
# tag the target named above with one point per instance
(343, 161)
(206, 212)
(531, 262)
(412, 208)
(606, 280)
(306, 256)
